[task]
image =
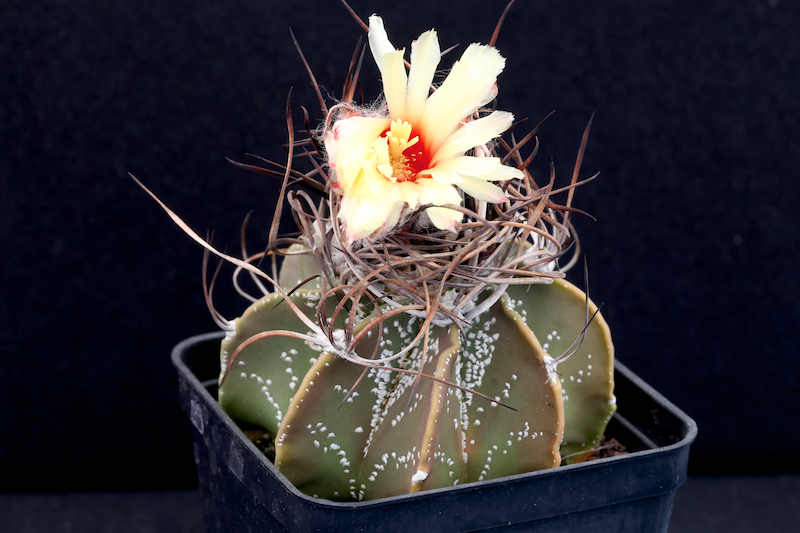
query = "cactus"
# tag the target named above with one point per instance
(420, 333)
(338, 440)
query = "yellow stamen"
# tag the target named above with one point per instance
(399, 139)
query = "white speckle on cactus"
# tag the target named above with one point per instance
(359, 429)
(419, 477)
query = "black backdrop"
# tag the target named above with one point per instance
(693, 252)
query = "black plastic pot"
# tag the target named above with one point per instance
(243, 491)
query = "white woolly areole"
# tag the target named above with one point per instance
(448, 302)
(230, 330)
(419, 477)
(322, 343)
(551, 364)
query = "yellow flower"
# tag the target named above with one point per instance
(383, 166)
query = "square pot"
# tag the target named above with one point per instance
(243, 491)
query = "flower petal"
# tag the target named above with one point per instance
(390, 62)
(425, 56)
(444, 218)
(347, 143)
(485, 168)
(407, 192)
(348, 134)
(365, 214)
(443, 175)
(436, 193)
(395, 81)
(470, 82)
(474, 133)
(379, 42)
(482, 190)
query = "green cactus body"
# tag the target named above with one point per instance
(556, 313)
(264, 378)
(394, 433)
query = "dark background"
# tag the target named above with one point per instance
(693, 252)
